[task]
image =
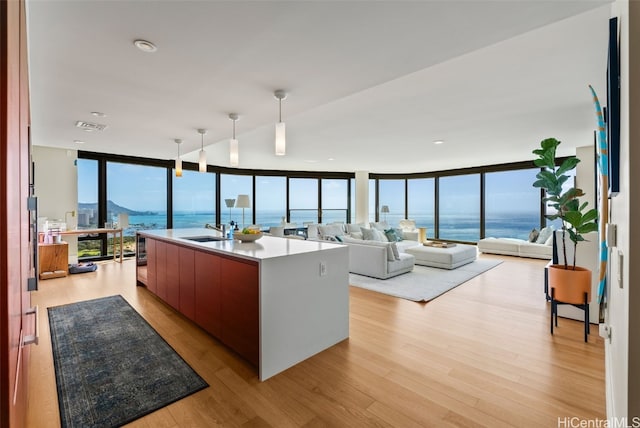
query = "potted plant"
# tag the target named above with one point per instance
(576, 218)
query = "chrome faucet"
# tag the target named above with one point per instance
(222, 228)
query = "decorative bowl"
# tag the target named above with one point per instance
(247, 237)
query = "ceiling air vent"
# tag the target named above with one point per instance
(88, 126)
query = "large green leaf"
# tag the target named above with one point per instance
(568, 165)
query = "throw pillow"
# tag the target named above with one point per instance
(392, 235)
(399, 234)
(380, 236)
(544, 234)
(381, 226)
(368, 234)
(394, 249)
(533, 235)
(356, 235)
(338, 238)
(351, 228)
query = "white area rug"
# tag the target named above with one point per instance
(423, 283)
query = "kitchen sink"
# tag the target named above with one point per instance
(205, 238)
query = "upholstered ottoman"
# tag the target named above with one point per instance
(445, 258)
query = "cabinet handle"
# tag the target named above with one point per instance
(32, 338)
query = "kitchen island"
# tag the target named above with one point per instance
(275, 301)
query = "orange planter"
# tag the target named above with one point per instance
(570, 285)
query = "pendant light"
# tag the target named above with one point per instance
(202, 159)
(281, 142)
(178, 160)
(233, 143)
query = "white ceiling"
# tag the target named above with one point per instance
(371, 83)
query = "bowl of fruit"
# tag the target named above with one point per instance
(247, 235)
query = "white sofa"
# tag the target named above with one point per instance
(376, 259)
(541, 249)
(516, 247)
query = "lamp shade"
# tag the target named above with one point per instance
(123, 220)
(178, 167)
(281, 144)
(243, 201)
(384, 209)
(202, 161)
(233, 152)
(229, 202)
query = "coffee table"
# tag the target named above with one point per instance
(444, 258)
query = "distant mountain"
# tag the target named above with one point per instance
(113, 208)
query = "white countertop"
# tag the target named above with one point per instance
(264, 248)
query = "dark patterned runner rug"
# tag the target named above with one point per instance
(111, 366)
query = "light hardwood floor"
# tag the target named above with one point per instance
(480, 355)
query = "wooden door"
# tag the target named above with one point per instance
(240, 307)
(161, 270)
(16, 261)
(207, 292)
(173, 276)
(187, 283)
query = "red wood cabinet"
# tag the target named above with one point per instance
(240, 311)
(207, 292)
(161, 270)
(173, 276)
(219, 293)
(187, 283)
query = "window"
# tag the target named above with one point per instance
(88, 212)
(271, 200)
(352, 202)
(230, 187)
(194, 199)
(303, 200)
(421, 203)
(391, 194)
(334, 200)
(459, 208)
(139, 191)
(512, 204)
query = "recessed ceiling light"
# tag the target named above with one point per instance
(330, 159)
(145, 46)
(78, 141)
(98, 114)
(438, 142)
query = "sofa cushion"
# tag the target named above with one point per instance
(356, 235)
(533, 235)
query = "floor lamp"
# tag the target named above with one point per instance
(243, 202)
(385, 210)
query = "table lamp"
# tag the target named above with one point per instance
(229, 203)
(243, 202)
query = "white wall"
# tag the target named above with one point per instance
(56, 186)
(586, 173)
(622, 353)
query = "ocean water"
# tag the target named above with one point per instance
(454, 227)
